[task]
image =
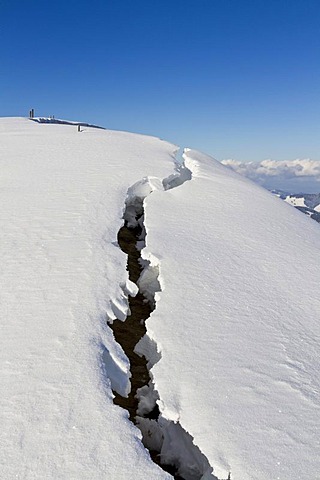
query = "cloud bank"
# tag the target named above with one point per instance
(269, 172)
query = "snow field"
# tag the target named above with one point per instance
(233, 345)
(239, 346)
(62, 275)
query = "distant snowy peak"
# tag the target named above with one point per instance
(295, 201)
(311, 200)
(308, 203)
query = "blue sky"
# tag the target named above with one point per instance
(236, 79)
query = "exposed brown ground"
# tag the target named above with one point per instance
(128, 334)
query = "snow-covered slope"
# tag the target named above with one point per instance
(239, 344)
(62, 274)
(233, 346)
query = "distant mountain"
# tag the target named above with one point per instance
(308, 203)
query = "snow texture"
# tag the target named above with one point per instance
(62, 122)
(62, 276)
(238, 343)
(233, 345)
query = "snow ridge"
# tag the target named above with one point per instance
(169, 444)
(63, 122)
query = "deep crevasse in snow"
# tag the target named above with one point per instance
(169, 444)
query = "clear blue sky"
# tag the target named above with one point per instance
(235, 78)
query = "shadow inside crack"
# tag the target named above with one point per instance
(130, 332)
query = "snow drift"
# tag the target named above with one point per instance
(236, 323)
(62, 277)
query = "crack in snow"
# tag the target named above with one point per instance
(170, 446)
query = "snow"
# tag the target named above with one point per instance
(295, 201)
(62, 122)
(239, 346)
(233, 344)
(62, 274)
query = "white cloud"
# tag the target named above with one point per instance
(287, 170)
